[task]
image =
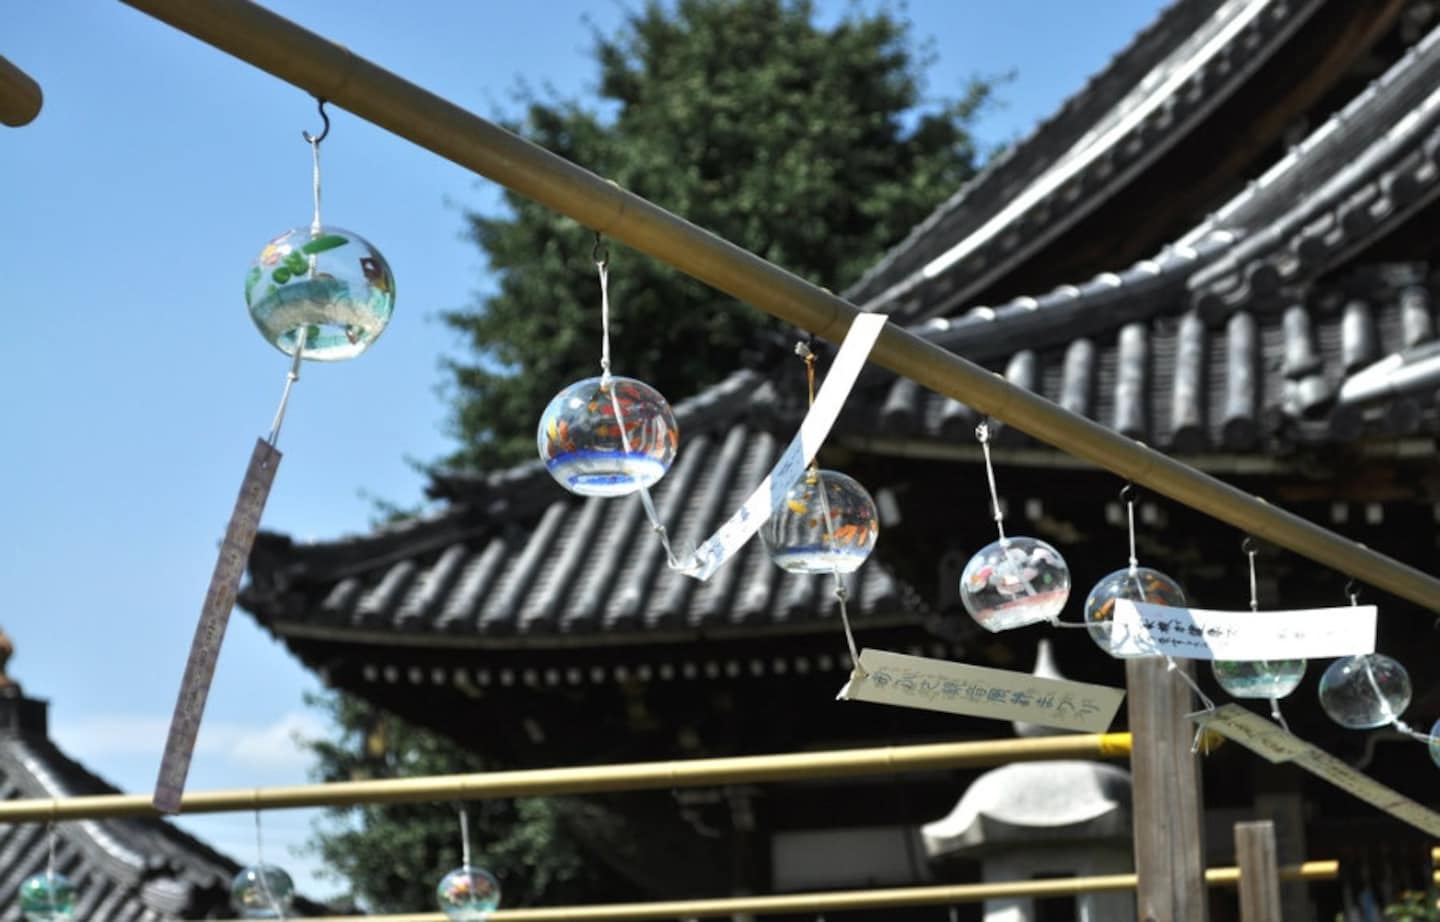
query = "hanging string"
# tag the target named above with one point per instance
(982, 433)
(601, 254)
(1127, 493)
(50, 834)
(302, 334)
(464, 838)
(314, 142)
(1248, 546)
(812, 477)
(290, 378)
(262, 871)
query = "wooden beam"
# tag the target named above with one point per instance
(1169, 827)
(1259, 874)
(20, 96)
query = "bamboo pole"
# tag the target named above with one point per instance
(590, 779)
(842, 900)
(20, 96)
(332, 72)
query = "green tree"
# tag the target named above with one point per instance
(807, 145)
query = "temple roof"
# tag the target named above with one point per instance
(1242, 69)
(1294, 315)
(130, 869)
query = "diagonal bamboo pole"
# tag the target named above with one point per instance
(844, 899)
(590, 779)
(20, 96)
(330, 71)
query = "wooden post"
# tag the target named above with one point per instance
(1259, 873)
(1169, 826)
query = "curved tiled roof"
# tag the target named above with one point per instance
(131, 869)
(1155, 94)
(532, 564)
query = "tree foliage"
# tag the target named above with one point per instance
(808, 145)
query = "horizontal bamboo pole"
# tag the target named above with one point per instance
(842, 900)
(330, 71)
(20, 96)
(591, 779)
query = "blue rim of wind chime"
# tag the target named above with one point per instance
(48, 896)
(1269, 680)
(827, 522)
(1016, 580)
(1132, 582)
(608, 435)
(467, 893)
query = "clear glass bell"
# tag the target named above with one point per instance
(1366, 691)
(1135, 584)
(607, 436)
(47, 897)
(262, 891)
(1014, 582)
(329, 292)
(468, 894)
(797, 535)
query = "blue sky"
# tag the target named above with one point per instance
(136, 384)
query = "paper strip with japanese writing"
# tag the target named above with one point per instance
(746, 521)
(978, 691)
(1260, 735)
(1142, 629)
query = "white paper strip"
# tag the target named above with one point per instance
(746, 521)
(976, 691)
(1260, 735)
(1142, 629)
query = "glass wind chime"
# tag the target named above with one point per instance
(48, 896)
(262, 891)
(468, 893)
(826, 523)
(1016, 580)
(319, 293)
(1132, 583)
(1372, 690)
(609, 435)
(1267, 679)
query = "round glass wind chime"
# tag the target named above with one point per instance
(826, 523)
(318, 292)
(1371, 690)
(1132, 583)
(48, 896)
(1267, 679)
(1015, 580)
(468, 893)
(260, 890)
(609, 435)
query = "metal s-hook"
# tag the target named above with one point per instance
(1248, 546)
(323, 118)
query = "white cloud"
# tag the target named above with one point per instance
(275, 746)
